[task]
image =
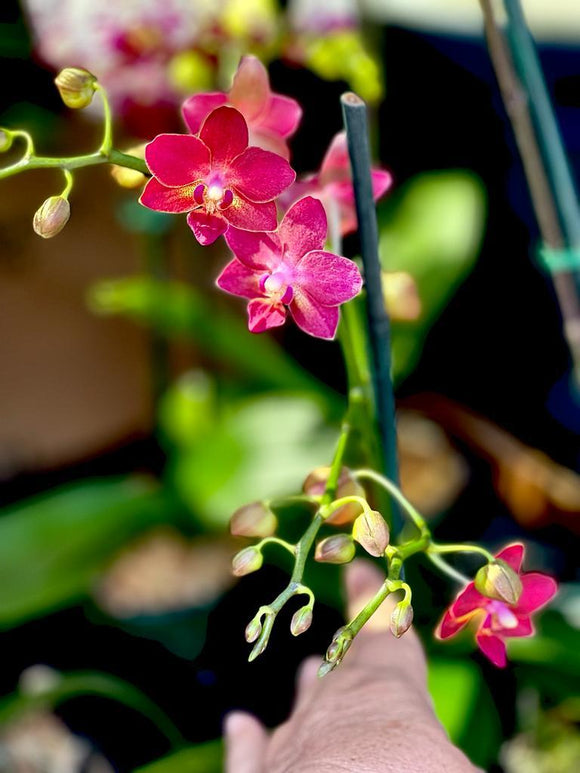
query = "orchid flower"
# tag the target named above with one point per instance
(333, 185)
(290, 269)
(499, 619)
(271, 118)
(216, 177)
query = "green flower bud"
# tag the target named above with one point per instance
(6, 140)
(347, 486)
(497, 580)
(253, 520)
(247, 561)
(401, 619)
(338, 549)
(76, 87)
(51, 217)
(301, 621)
(336, 651)
(253, 630)
(371, 531)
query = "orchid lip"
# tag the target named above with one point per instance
(213, 196)
(276, 287)
(502, 614)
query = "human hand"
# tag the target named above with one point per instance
(373, 714)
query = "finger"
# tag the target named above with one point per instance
(362, 580)
(246, 740)
(307, 681)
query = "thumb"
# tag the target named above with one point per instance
(246, 740)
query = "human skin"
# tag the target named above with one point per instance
(372, 714)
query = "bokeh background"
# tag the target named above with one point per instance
(136, 413)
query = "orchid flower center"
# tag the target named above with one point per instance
(213, 197)
(502, 615)
(277, 287)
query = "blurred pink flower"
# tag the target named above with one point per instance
(289, 268)
(333, 185)
(500, 619)
(271, 118)
(216, 177)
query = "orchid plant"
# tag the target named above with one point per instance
(231, 176)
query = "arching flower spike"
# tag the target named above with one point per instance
(271, 118)
(333, 184)
(290, 269)
(500, 620)
(216, 177)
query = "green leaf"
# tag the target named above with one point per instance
(53, 545)
(203, 758)
(80, 683)
(431, 229)
(178, 310)
(453, 686)
(262, 447)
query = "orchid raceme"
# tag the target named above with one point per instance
(271, 118)
(500, 620)
(290, 269)
(333, 185)
(216, 177)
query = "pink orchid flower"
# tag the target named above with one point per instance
(216, 177)
(333, 185)
(289, 268)
(271, 117)
(500, 620)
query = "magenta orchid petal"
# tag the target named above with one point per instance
(493, 647)
(251, 216)
(263, 314)
(381, 181)
(282, 116)
(513, 555)
(238, 279)
(450, 625)
(260, 251)
(537, 590)
(303, 228)
(177, 159)
(195, 109)
(225, 132)
(467, 601)
(319, 321)
(328, 279)
(162, 199)
(250, 92)
(206, 228)
(260, 175)
(336, 163)
(270, 142)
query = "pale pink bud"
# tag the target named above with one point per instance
(347, 486)
(497, 580)
(51, 217)
(401, 295)
(253, 520)
(401, 619)
(301, 621)
(253, 630)
(76, 87)
(338, 549)
(247, 561)
(371, 531)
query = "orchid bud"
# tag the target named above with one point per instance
(6, 139)
(371, 531)
(497, 580)
(301, 620)
(253, 520)
(401, 295)
(336, 651)
(51, 217)
(253, 630)
(247, 561)
(76, 87)
(338, 549)
(401, 618)
(346, 486)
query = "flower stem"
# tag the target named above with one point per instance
(355, 121)
(441, 564)
(458, 548)
(396, 493)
